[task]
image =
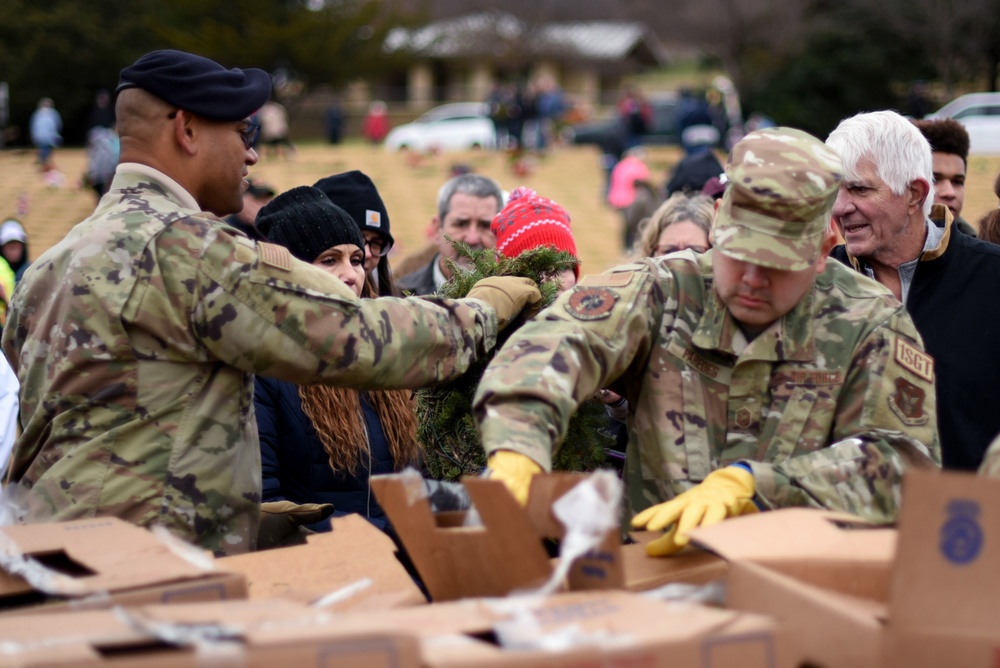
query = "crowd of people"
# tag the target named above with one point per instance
(797, 328)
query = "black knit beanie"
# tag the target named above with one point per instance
(355, 193)
(306, 222)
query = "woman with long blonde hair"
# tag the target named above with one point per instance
(321, 444)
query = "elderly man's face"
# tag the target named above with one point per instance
(868, 215)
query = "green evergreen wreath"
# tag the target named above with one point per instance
(444, 413)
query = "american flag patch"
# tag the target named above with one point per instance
(275, 256)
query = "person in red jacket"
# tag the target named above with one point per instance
(376, 123)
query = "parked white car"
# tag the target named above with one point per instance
(456, 126)
(980, 114)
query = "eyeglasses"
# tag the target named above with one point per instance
(664, 250)
(249, 135)
(378, 246)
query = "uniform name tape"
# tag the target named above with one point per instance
(618, 280)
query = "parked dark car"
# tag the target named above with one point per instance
(609, 133)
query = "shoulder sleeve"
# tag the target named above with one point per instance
(261, 310)
(585, 340)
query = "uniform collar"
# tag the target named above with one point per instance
(177, 190)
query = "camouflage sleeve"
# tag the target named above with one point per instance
(991, 462)
(585, 340)
(885, 421)
(260, 310)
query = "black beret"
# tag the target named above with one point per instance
(355, 193)
(199, 85)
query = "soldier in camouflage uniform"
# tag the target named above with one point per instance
(137, 336)
(758, 375)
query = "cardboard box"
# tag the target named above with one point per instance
(353, 552)
(824, 573)
(504, 553)
(589, 629)
(691, 565)
(859, 596)
(96, 563)
(944, 601)
(501, 553)
(246, 634)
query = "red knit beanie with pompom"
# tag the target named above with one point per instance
(529, 221)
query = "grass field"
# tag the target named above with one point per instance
(571, 176)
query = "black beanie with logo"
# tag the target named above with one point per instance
(306, 222)
(357, 195)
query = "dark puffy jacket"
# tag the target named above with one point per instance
(297, 468)
(952, 300)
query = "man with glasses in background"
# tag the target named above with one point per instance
(136, 337)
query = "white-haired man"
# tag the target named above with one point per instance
(895, 234)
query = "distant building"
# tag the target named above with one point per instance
(459, 58)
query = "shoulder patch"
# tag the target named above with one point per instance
(616, 280)
(275, 256)
(594, 303)
(907, 402)
(915, 360)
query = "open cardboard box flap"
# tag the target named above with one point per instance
(106, 553)
(620, 628)
(831, 550)
(86, 559)
(245, 633)
(351, 553)
(457, 558)
(923, 595)
(592, 628)
(500, 553)
(792, 534)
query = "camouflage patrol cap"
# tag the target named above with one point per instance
(782, 186)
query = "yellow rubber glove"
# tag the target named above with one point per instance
(508, 295)
(281, 522)
(724, 493)
(514, 470)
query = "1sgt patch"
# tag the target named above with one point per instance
(915, 360)
(907, 402)
(591, 303)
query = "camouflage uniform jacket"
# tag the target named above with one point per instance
(136, 340)
(844, 367)
(991, 461)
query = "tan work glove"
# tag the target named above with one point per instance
(724, 493)
(514, 470)
(281, 522)
(508, 295)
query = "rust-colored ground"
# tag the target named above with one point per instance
(571, 176)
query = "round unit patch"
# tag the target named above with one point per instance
(591, 303)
